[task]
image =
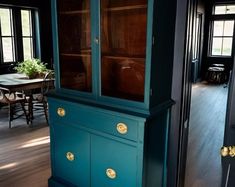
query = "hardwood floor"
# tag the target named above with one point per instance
(206, 131)
(24, 152)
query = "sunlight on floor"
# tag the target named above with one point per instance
(7, 166)
(36, 142)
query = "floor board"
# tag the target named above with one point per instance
(24, 152)
(206, 131)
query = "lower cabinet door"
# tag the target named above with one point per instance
(113, 164)
(71, 159)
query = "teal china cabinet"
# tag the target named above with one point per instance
(109, 113)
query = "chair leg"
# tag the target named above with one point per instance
(45, 110)
(30, 109)
(25, 113)
(10, 114)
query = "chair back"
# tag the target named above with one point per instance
(48, 82)
(6, 96)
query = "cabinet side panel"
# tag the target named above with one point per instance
(155, 150)
(162, 51)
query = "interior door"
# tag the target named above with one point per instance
(228, 151)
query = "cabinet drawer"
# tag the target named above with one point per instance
(113, 164)
(71, 154)
(109, 122)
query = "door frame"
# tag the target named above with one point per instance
(181, 92)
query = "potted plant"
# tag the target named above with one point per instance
(33, 68)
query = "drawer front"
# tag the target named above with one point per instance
(91, 117)
(71, 155)
(113, 164)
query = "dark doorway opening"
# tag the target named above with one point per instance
(206, 134)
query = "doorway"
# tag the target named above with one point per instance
(206, 121)
(181, 93)
(206, 111)
(206, 134)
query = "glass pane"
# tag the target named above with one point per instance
(5, 15)
(8, 49)
(230, 9)
(220, 9)
(123, 53)
(218, 28)
(27, 48)
(75, 44)
(26, 22)
(227, 46)
(228, 28)
(196, 38)
(217, 46)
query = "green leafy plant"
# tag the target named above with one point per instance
(33, 68)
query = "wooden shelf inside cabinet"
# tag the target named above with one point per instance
(133, 7)
(74, 12)
(74, 55)
(123, 57)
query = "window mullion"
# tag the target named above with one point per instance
(1, 46)
(222, 47)
(12, 35)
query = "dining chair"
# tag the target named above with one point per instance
(39, 100)
(12, 99)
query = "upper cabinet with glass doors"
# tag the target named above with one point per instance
(74, 38)
(123, 48)
(104, 50)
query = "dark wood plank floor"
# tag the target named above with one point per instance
(24, 153)
(206, 131)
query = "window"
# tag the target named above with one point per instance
(7, 36)
(15, 21)
(222, 30)
(27, 36)
(222, 38)
(197, 36)
(224, 9)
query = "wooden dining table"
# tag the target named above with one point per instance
(20, 82)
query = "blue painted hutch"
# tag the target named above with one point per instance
(109, 113)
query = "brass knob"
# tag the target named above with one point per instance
(122, 128)
(70, 156)
(111, 173)
(61, 112)
(227, 151)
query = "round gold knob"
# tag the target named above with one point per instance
(70, 156)
(231, 151)
(224, 151)
(122, 128)
(228, 151)
(61, 112)
(111, 173)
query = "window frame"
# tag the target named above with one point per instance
(32, 36)
(12, 36)
(220, 17)
(18, 34)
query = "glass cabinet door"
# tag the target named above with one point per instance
(74, 33)
(123, 48)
